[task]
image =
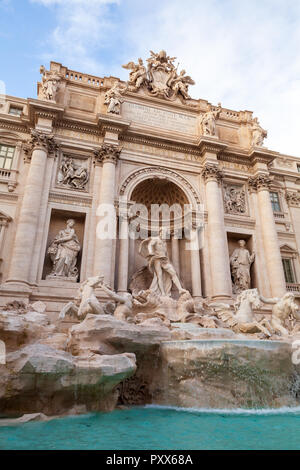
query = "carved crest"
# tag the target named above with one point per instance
(160, 78)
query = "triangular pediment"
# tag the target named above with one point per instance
(288, 249)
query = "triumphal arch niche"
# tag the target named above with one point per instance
(87, 142)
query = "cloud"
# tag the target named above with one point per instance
(82, 30)
(5, 5)
(241, 53)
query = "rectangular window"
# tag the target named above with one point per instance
(275, 202)
(6, 156)
(288, 270)
(298, 168)
(14, 110)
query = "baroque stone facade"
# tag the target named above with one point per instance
(87, 141)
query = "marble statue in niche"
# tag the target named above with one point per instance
(240, 263)
(72, 175)
(164, 274)
(50, 83)
(258, 134)
(208, 121)
(63, 252)
(234, 200)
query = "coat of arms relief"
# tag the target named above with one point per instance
(159, 78)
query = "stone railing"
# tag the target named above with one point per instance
(295, 288)
(84, 78)
(9, 177)
(279, 215)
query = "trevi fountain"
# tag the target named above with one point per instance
(107, 306)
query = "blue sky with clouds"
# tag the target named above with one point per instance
(242, 53)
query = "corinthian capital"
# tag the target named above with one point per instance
(260, 182)
(42, 141)
(108, 153)
(212, 172)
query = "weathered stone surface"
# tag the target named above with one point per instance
(24, 419)
(39, 306)
(56, 341)
(104, 334)
(39, 378)
(187, 331)
(18, 329)
(227, 374)
(98, 333)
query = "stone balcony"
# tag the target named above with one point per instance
(9, 177)
(294, 288)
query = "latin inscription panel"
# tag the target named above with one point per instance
(160, 118)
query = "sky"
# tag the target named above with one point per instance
(242, 53)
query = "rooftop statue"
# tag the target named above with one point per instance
(137, 76)
(208, 121)
(258, 134)
(113, 98)
(50, 84)
(161, 78)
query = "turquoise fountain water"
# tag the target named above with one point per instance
(157, 428)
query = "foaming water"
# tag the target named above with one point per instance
(231, 411)
(161, 428)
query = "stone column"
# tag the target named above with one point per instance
(108, 155)
(97, 171)
(123, 250)
(175, 254)
(24, 244)
(196, 274)
(218, 246)
(261, 183)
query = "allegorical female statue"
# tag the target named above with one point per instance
(240, 263)
(63, 252)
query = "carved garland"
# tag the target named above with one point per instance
(293, 198)
(161, 171)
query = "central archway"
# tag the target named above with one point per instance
(159, 185)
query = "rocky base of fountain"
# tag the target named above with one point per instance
(103, 362)
(227, 373)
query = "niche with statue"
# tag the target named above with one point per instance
(242, 257)
(64, 246)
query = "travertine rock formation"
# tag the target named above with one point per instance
(39, 378)
(107, 335)
(18, 329)
(219, 373)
